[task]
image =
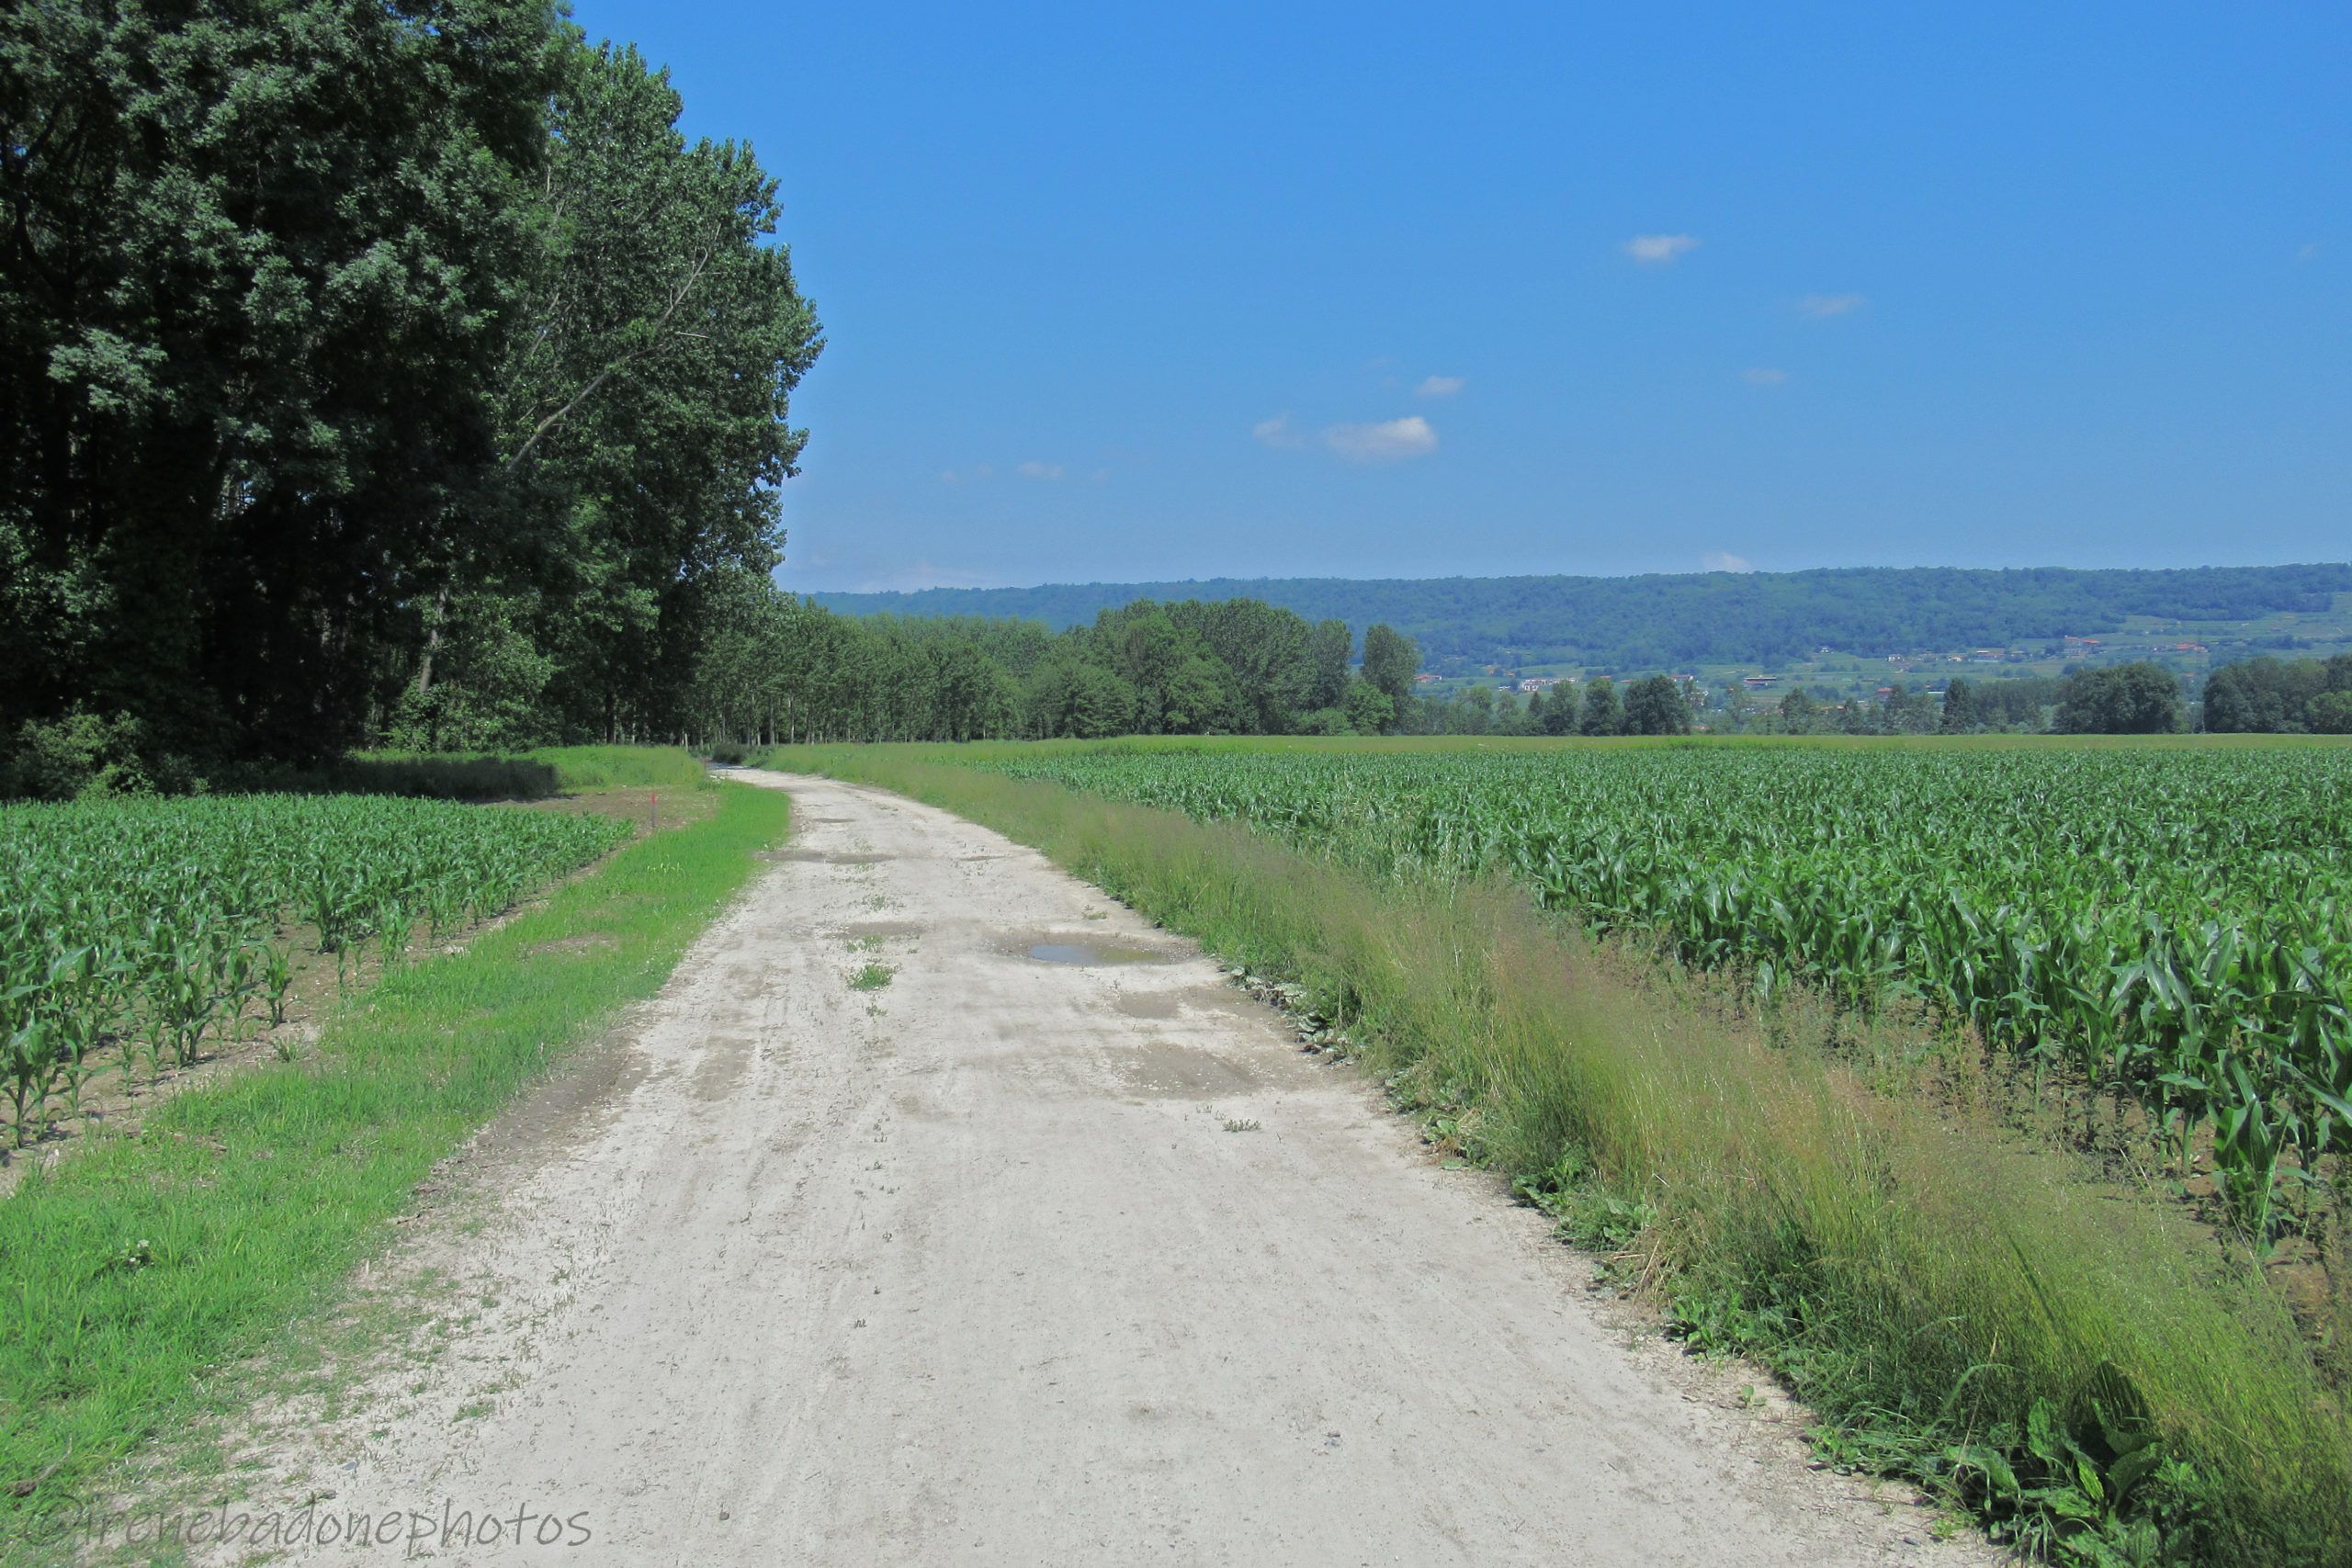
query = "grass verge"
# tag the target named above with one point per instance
(2073, 1363)
(134, 1270)
(518, 775)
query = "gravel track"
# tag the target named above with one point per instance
(988, 1264)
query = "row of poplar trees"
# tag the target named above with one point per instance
(369, 368)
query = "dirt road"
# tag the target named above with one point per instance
(1012, 1261)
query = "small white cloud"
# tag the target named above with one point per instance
(1723, 560)
(1656, 250)
(1442, 386)
(2308, 251)
(1762, 375)
(1275, 432)
(983, 471)
(1821, 305)
(1386, 442)
(1036, 470)
(950, 477)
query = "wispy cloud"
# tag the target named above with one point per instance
(1723, 560)
(1386, 442)
(1657, 249)
(2308, 250)
(1822, 305)
(956, 477)
(1763, 376)
(1033, 470)
(1275, 432)
(1442, 386)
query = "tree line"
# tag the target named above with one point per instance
(374, 372)
(2261, 695)
(771, 668)
(1625, 625)
(2281, 696)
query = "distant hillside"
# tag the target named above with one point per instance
(1671, 622)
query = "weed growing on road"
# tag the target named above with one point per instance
(873, 977)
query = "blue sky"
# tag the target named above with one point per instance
(1132, 292)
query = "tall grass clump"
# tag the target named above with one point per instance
(135, 1270)
(2072, 1361)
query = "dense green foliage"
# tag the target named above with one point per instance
(134, 931)
(2120, 699)
(141, 1268)
(2177, 924)
(1627, 624)
(399, 367)
(2281, 696)
(772, 668)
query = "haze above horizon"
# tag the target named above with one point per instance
(1378, 292)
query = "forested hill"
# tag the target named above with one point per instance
(1667, 622)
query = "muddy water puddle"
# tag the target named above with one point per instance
(1084, 950)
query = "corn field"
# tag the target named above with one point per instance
(2170, 925)
(133, 931)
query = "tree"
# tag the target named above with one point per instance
(1390, 662)
(1959, 714)
(1799, 713)
(1601, 714)
(493, 701)
(252, 302)
(1473, 711)
(2272, 696)
(1902, 714)
(1262, 651)
(2122, 699)
(1560, 713)
(644, 399)
(1324, 675)
(1654, 706)
(1369, 710)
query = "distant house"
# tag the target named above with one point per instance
(1758, 682)
(1425, 679)
(1541, 683)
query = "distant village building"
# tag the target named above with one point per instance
(1542, 682)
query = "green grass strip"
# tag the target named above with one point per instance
(143, 1263)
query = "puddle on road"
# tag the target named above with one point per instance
(1089, 953)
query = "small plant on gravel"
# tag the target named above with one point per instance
(873, 977)
(1242, 1124)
